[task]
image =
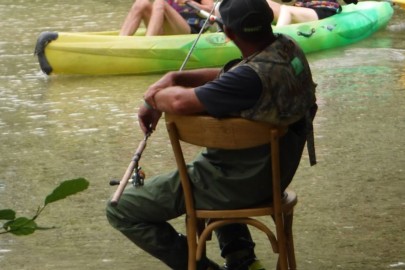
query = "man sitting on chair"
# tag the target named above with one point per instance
(272, 82)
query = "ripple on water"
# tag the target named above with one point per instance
(87, 130)
(38, 132)
(38, 116)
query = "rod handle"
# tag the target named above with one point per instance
(123, 183)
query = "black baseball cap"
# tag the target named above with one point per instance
(246, 16)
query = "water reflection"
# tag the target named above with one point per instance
(350, 214)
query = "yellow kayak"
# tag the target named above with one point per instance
(107, 53)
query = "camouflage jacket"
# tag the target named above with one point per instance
(288, 89)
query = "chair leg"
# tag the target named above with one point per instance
(191, 229)
(192, 262)
(288, 222)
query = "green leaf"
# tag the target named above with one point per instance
(7, 214)
(21, 226)
(67, 188)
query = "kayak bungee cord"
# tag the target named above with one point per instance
(133, 169)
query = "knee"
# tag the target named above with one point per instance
(113, 216)
(140, 6)
(159, 6)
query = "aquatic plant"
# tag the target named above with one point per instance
(24, 225)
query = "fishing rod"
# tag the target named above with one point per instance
(134, 171)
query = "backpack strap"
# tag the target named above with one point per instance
(309, 117)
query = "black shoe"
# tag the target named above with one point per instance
(207, 264)
(242, 260)
(247, 265)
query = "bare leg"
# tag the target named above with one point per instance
(165, 20)
(291, 14)
(155, 26)
(140, 10)
(276, 9)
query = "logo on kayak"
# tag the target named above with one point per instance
(218, 39)
(329, 27)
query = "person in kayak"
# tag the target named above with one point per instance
(272, 83)
(165, 17)
(303, 11)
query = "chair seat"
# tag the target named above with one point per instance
(288, 202)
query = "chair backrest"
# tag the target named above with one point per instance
(227, 133)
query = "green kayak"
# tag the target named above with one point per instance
(106, 53)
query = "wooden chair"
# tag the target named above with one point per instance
(233, 133)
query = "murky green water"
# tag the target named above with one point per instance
(351, 205)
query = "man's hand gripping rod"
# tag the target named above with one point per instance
(133, 169)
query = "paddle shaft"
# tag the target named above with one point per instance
(199, 34)
(205, 14)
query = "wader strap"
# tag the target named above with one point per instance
(309, 117)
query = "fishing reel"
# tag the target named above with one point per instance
(137, 178)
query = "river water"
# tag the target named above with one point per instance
(351, 205)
